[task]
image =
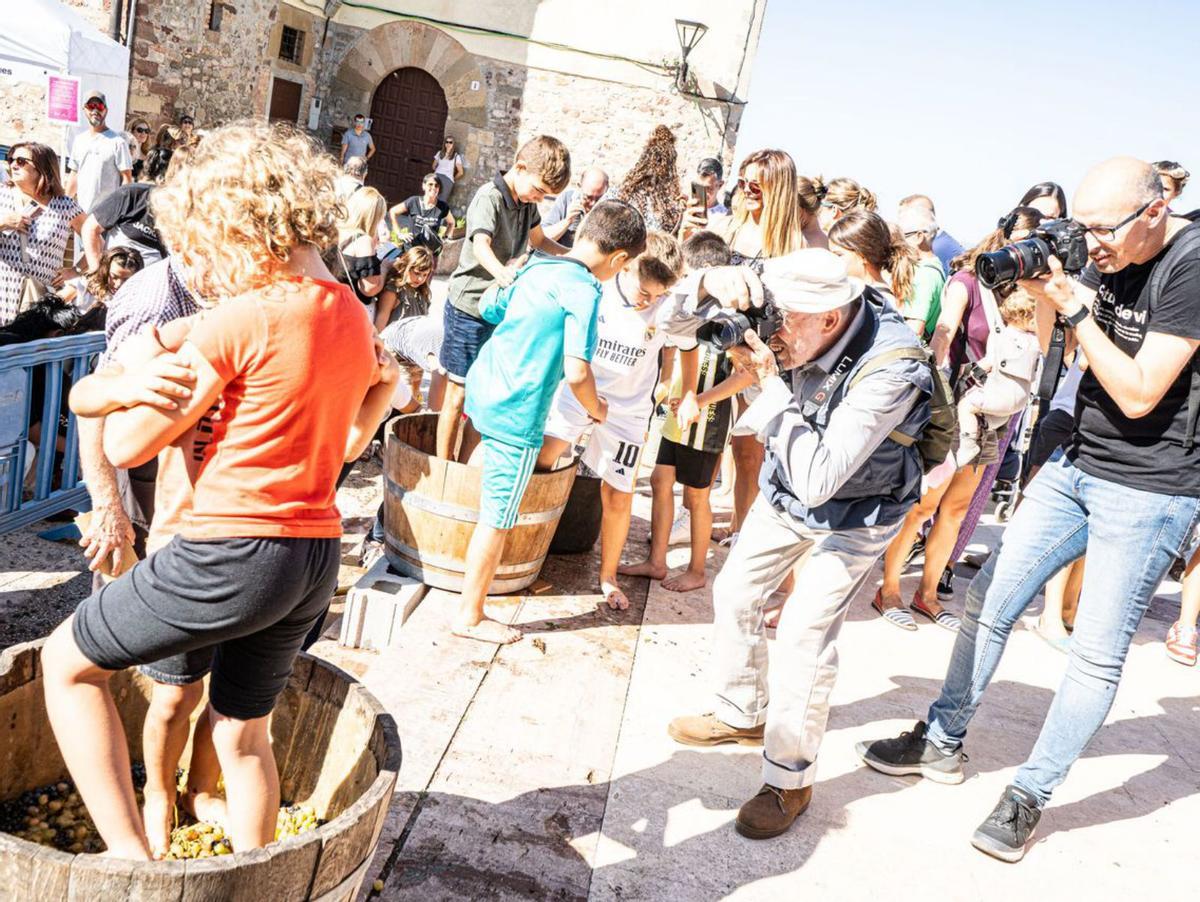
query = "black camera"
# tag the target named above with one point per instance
(727, 328)
(1026, 259)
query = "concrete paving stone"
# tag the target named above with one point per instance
(535, 845)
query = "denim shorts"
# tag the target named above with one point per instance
(463, 339)
(507, 470)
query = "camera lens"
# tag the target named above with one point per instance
(724, 331)
(1020, 260)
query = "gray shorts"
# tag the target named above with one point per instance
(248, 602)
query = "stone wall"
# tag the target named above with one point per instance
(495, 106)
(182, 66)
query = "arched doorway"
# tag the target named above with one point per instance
(408, 114)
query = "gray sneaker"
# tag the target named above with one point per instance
(911, 753)
(1010, 826)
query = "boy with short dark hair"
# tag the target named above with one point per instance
(693, 438)
(502, 223)
(639, 316)
(545, 329)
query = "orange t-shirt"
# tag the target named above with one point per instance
(297, 358)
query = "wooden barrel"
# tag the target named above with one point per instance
(337, 751)
(431, 507)
(579, 527)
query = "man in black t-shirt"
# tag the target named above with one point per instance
(1127, 491)
(426, 211)
(123, 218)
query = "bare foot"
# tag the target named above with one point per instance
(205, 806)
(614, 596)
(643, 568)
(721, 533)
(158, 816)
(686, 581)
(487, 630)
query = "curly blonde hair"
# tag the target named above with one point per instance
(244, 199)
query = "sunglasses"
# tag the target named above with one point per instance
(754, 189)
(141, 130)
(20, 162)
(184, 122)
(94, 105)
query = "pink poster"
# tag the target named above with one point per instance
(62, 99)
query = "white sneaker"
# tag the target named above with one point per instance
(681, 529)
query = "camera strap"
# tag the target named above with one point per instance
(1187, 241)
(830, 381)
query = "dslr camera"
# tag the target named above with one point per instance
(726, 329)
(1061, 238)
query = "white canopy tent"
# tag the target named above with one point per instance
(47, 38)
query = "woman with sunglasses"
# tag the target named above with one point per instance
(36, 219)
(448, 167)
(960, 338)
(140, 144)
(767, 221)
(839, 197)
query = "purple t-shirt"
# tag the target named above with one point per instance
(974, 329)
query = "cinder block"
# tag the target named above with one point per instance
(377, 606)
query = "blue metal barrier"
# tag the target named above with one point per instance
(51, 365)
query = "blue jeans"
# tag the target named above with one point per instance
(1130, 537)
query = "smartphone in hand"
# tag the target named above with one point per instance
(700, 198)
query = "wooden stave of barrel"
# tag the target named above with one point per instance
(431, 507)
(351, 779)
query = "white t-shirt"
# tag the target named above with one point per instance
(99, 158)
(84, 299)
(445, 166)
(626, 359)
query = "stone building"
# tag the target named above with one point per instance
(492, 74)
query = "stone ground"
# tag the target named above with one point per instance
(542, 770)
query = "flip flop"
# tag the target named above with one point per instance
(897, 617)
(944, 619)
(1060, 645)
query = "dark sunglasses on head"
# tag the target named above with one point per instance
(751, 187)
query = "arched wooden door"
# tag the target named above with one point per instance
(408, 116)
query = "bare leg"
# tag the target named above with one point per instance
(614, 530)
(470, 441)
(164, 736)
(251, 780)
(1074, 588)
(204, 771)
(449, 419)
(748, 454)
(694, 577)
(662, 515)
(897, 552)
(940, 543)
(552, 451)
(437, 391)
(483, 557)
(89, 733)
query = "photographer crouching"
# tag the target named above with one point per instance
(1127, 489)
(842, 469)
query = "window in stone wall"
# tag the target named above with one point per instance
(291, 44)
(216, 9)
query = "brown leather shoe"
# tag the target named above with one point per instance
(772, 811)
(708, 729)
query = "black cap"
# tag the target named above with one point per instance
(711, 166)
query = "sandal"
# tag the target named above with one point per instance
(895, 616)
(944, 618)
(1062, 644)
(1181, 644)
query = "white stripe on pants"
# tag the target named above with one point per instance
(805, 666)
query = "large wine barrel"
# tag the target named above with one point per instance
(579, 527)
(431, 507)
(337, 751)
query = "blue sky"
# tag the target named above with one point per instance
(973, 102)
